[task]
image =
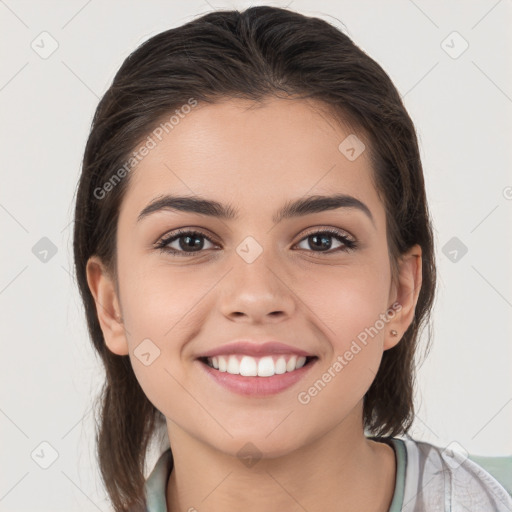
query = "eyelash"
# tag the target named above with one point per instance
(349, 244)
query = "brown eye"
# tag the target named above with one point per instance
(186, 243)
(322, 240)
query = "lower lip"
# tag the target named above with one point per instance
(257, 386)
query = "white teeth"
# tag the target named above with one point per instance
(266, 367)
(248, 366)
(223, 364)
(233, 366)
(281, 366)
(290, 365)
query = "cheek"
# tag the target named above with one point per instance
(348, 301)
(158, 301)
(350, 310)
(351, 307)
(160, 311)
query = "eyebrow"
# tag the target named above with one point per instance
(297, 208)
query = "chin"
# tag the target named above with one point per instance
(253, 446)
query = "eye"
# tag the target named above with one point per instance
(188, 242)
(321, 240)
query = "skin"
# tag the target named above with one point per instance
(256, 158)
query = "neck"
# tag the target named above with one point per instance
(333, 472)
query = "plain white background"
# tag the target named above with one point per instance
(461, 103)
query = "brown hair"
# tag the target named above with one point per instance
(260, 52)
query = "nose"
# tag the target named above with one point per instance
(257, 292)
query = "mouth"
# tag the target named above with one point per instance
(266, 366)
(256, 377)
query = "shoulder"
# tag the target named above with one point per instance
(444, 479)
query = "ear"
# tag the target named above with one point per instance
(405, 293)
(108, 310)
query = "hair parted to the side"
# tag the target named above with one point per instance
(260, 52)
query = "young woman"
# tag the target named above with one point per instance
(255, 256)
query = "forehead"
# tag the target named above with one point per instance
(253, 155)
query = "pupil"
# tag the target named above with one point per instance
(193, 245)
(325, 242)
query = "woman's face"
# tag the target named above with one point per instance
(253, 277)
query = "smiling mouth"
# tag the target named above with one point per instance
(266, 366)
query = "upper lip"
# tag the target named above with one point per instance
(255, 349)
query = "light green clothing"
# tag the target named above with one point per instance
(428, 479)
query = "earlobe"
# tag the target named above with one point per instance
(108, 312)
(407, 292)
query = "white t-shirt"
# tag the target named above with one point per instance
(438, 479)
(428, 479)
